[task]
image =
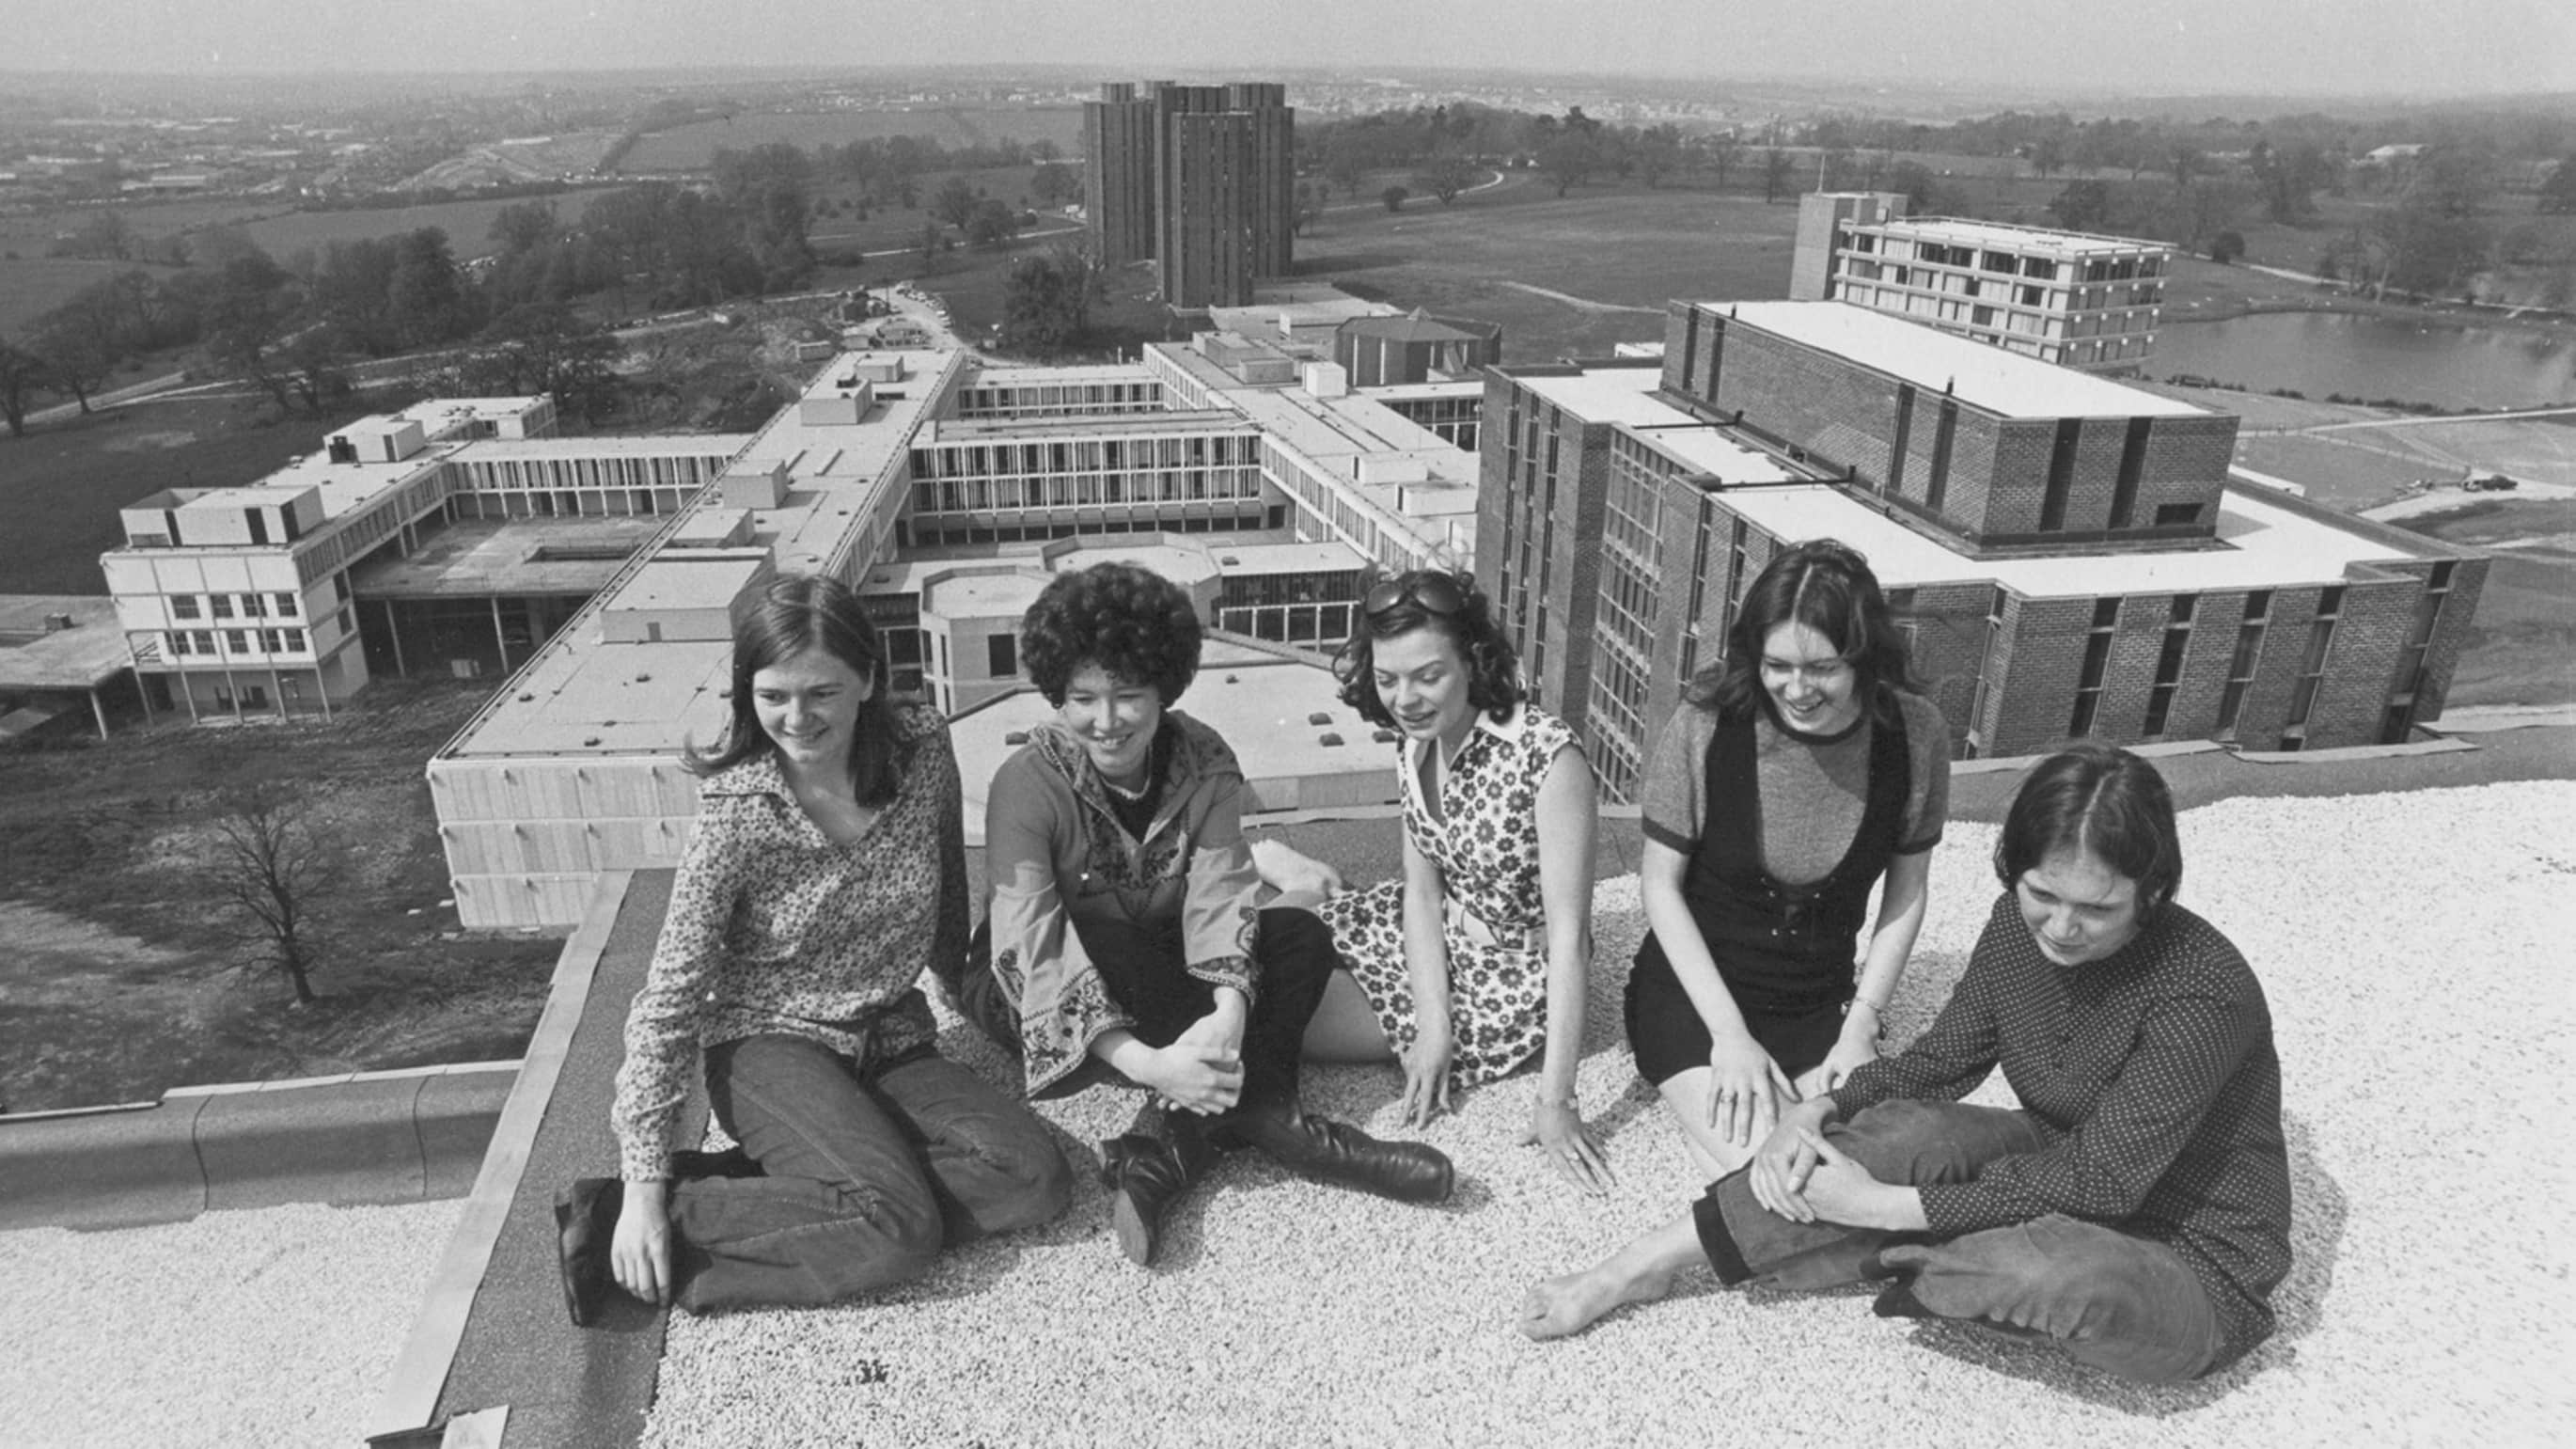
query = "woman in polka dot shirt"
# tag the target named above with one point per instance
(2135, 1209)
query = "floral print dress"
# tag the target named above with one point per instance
(1485, 842)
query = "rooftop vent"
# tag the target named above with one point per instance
(1319, 718)
(1329, 740)
(1016, 737)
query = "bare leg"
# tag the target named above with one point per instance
(1345, 1027)
(1638, 1273)
(1686, 1097)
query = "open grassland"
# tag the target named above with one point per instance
(34, 284)
(61, 485)
(124, 982)
(693, 147)
(468, 224)
(1565, 276)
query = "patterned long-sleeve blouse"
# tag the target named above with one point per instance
(2152, 1076)
(774, 929)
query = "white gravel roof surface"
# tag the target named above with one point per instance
(2413, 947)
(272, 1326)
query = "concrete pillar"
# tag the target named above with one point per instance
(98, 712)
(500, 641)
(324, 690)
(393, 631)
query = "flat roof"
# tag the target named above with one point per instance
(665, 445)
(2005, 234)
(985, 592)
(1286, 558)
(1982, 375)
(2261, 545)
(476, 557)
(689, 578)
(994, 375)
(345, 487)
(1394, 392)
(84, 656)
(607, 699)
(1175, 420)
(1606, 394)
(1707, 448)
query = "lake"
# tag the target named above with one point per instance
(2318, 353)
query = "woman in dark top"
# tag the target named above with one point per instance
(2135, 1210)
(1798, 772)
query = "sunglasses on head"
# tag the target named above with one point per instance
(1432, 593)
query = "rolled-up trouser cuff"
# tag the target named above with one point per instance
(1715, 1239)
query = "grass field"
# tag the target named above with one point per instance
(121, 984)
(468, 224)
(1614, 255)
(693, 147)
(60, 486)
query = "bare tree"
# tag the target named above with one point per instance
(274, 860)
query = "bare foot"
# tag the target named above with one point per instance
(1562, 1307)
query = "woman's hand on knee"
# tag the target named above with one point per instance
(640, 1252)
(1780, 1167)
(1746, 1088)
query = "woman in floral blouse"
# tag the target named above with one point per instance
(1127, 938)
(825, 872)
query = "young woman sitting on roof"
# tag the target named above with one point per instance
(2134, 1211)
(826, 871)
(1127, 941)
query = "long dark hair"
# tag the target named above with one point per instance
(1493, 668)
(2105, 801)
(797, 613)
(1826, 585)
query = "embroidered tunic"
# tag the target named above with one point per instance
(775, 929)
(1485, 843)
(1059, 858)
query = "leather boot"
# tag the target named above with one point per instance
(980, 1000)
(1146, 1174)
(585, 1223)
(1336, 1152)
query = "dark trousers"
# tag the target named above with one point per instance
(2122, 1304)
(1147, 974)
(865, 1174)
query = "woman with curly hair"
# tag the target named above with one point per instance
(1477, 959)
(1799, 770)
(825, 872)
(1126, 939)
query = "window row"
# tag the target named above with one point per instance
(228, 606)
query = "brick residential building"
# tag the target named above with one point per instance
(2069, 555)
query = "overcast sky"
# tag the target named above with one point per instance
(2062, 46)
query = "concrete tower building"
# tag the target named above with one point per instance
(1200, 179)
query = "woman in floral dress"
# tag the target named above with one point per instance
(1476, 960)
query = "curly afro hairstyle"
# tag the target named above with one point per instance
(1493, 669)
(1130, 621)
